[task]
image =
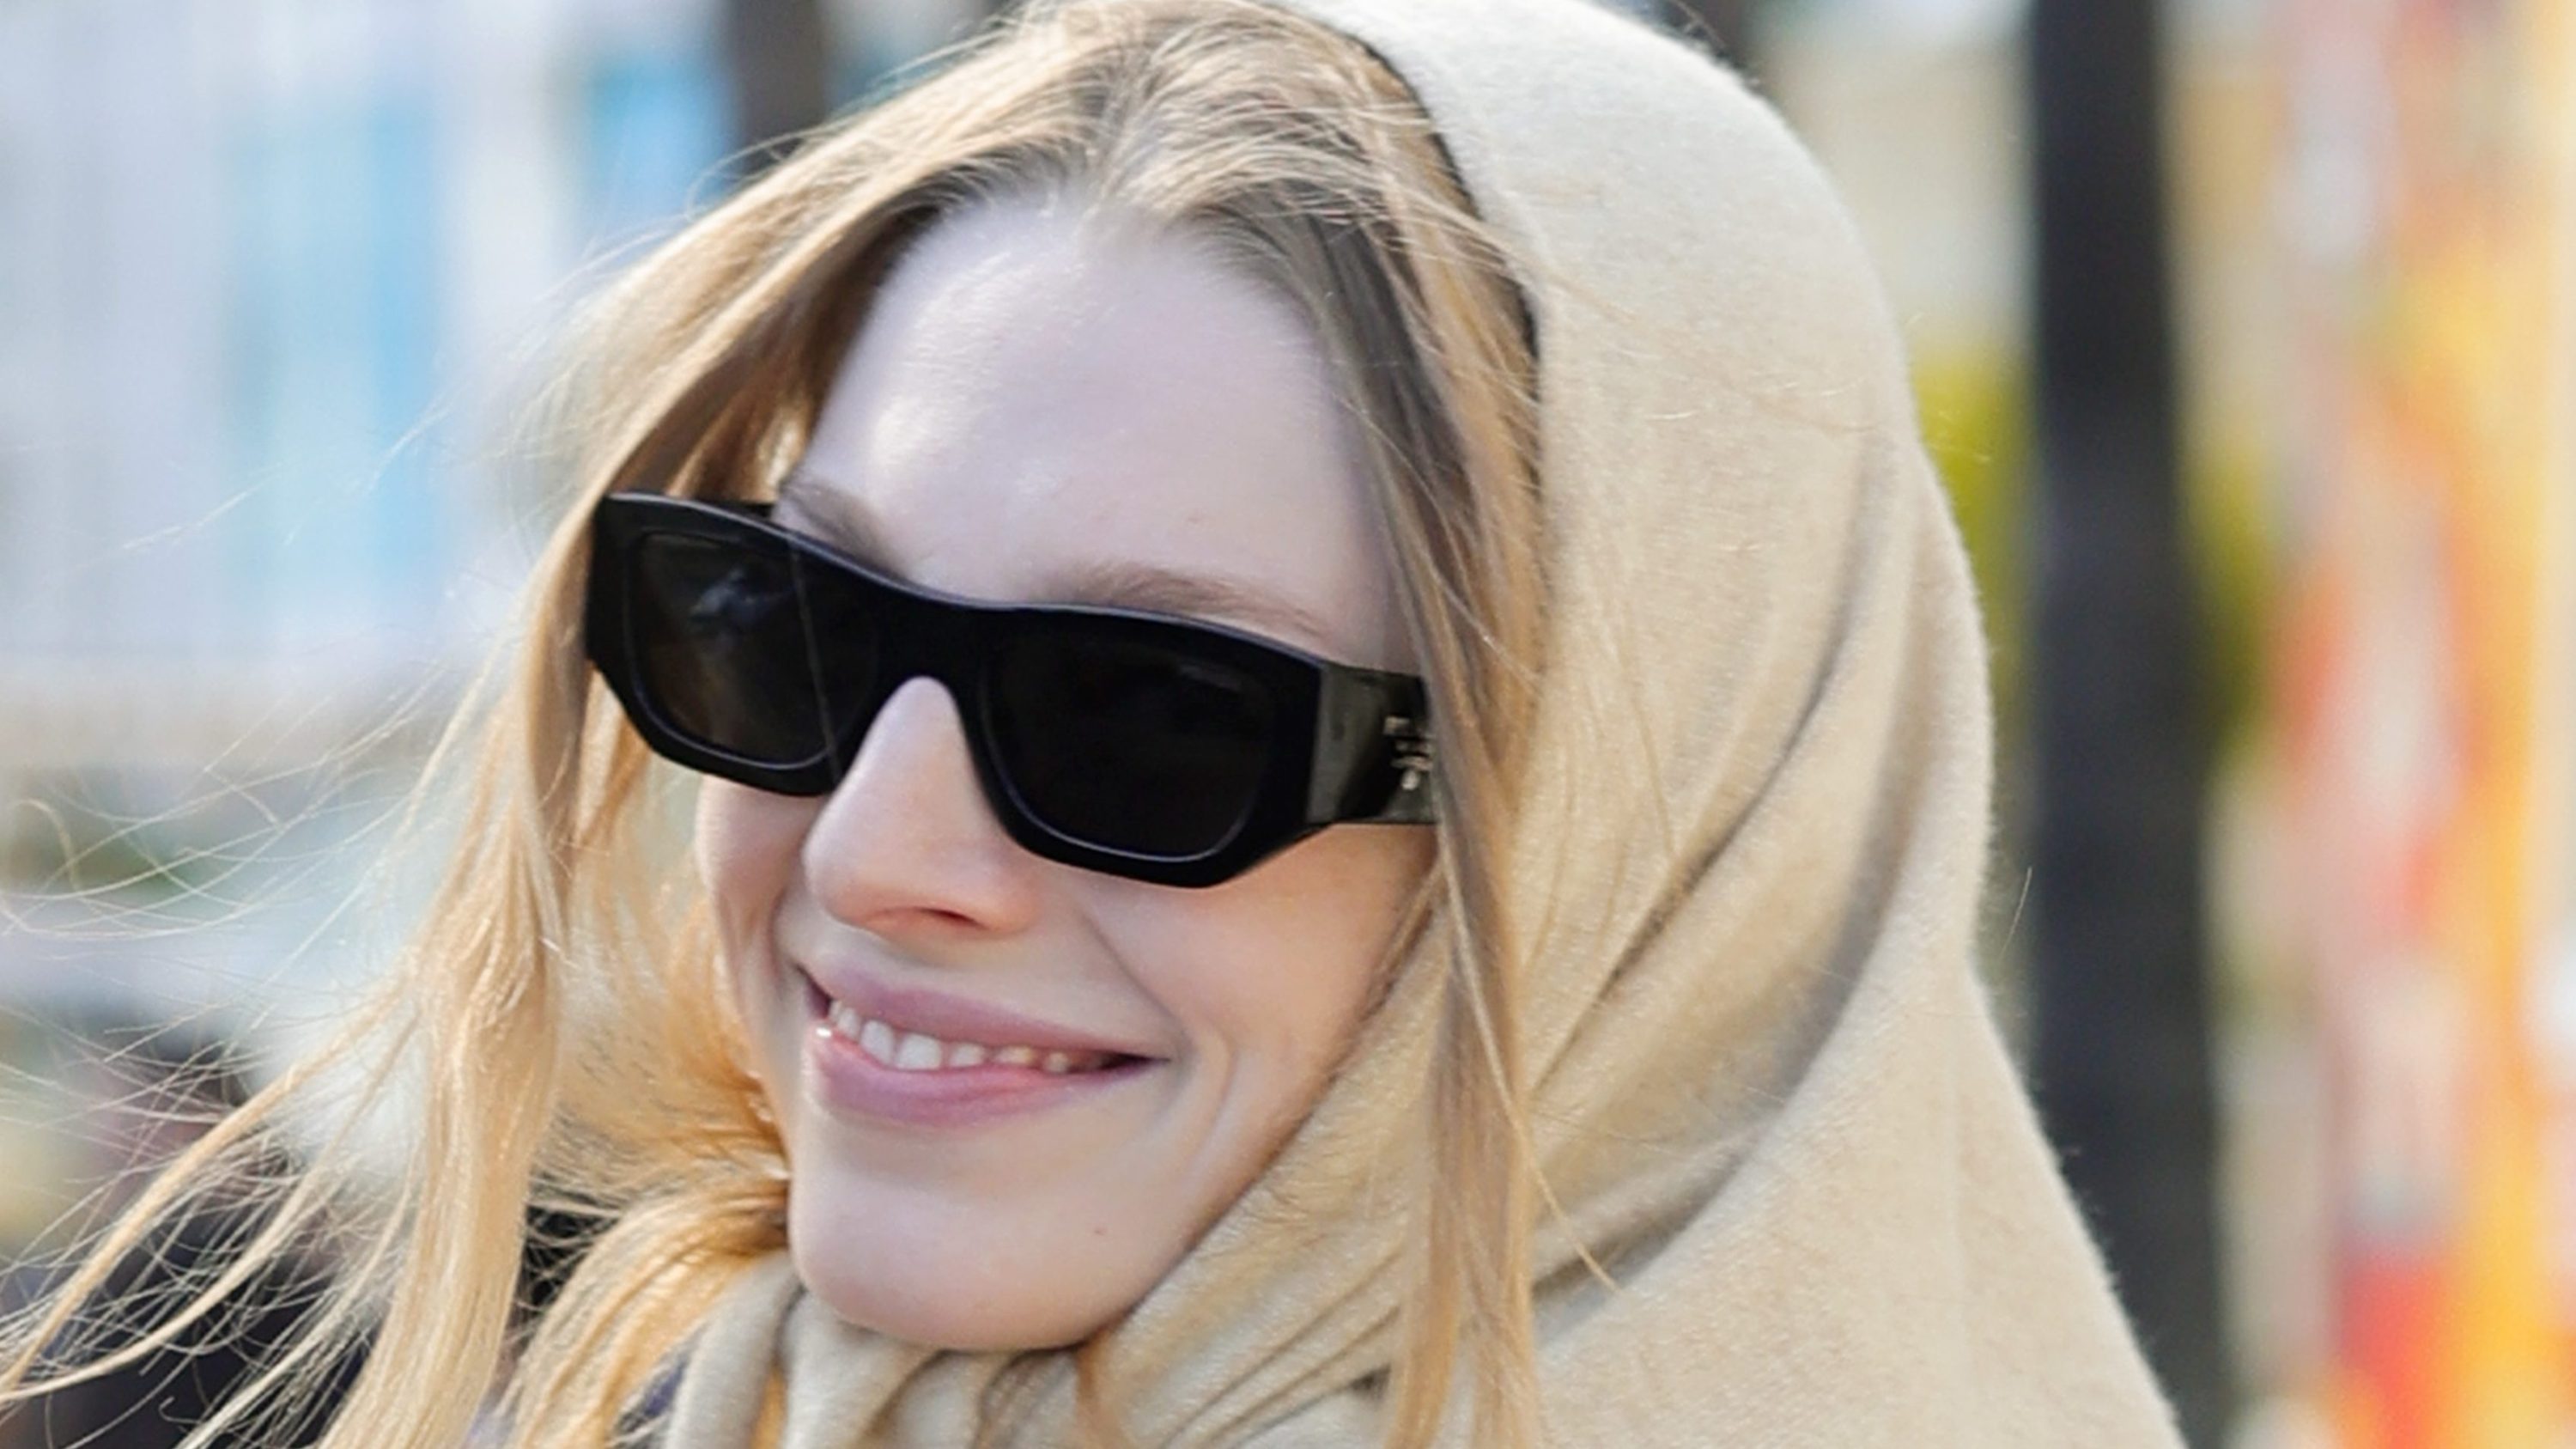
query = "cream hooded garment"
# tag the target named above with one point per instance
(1768, 1089)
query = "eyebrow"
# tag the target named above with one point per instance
(842, 519)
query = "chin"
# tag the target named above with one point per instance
(942, 1289)
(918, 1314)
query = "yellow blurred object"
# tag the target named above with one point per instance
(2404, 996)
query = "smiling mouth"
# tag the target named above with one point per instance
(904, 1050)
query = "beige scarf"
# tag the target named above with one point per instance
(1769, 1090)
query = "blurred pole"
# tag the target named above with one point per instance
(2121, 1055)
(778, 58)
(1728, 24)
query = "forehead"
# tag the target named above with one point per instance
(1044, 397)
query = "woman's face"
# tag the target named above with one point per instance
(1048, 406)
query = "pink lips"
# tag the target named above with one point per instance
(954, 1018)
(847, 1077)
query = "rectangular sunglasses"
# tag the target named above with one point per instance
(1141, 745)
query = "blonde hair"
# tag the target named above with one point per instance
(1313, 168)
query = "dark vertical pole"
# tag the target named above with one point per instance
(2121, 1056)
(1726, 26)
(778, 65)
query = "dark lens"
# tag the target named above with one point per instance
(1129, 746)
(735, 655)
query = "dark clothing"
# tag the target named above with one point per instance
(154, 1402)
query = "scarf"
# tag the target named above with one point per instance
(1768, 1090)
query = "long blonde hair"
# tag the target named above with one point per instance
(700, 373)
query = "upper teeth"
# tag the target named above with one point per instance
(916, 1051)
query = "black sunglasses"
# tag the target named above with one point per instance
(1136, 744)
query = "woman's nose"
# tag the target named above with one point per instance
(906, 845)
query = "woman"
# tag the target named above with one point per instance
(1346, 781)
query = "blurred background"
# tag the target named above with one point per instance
(2244, 331)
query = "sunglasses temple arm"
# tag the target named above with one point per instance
(1373, 761)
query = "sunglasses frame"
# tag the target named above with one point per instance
(1347, 744)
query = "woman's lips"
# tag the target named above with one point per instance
(953, 1019)
(874, 1067)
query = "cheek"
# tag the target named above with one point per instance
(748, 845)
(1270, 973)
